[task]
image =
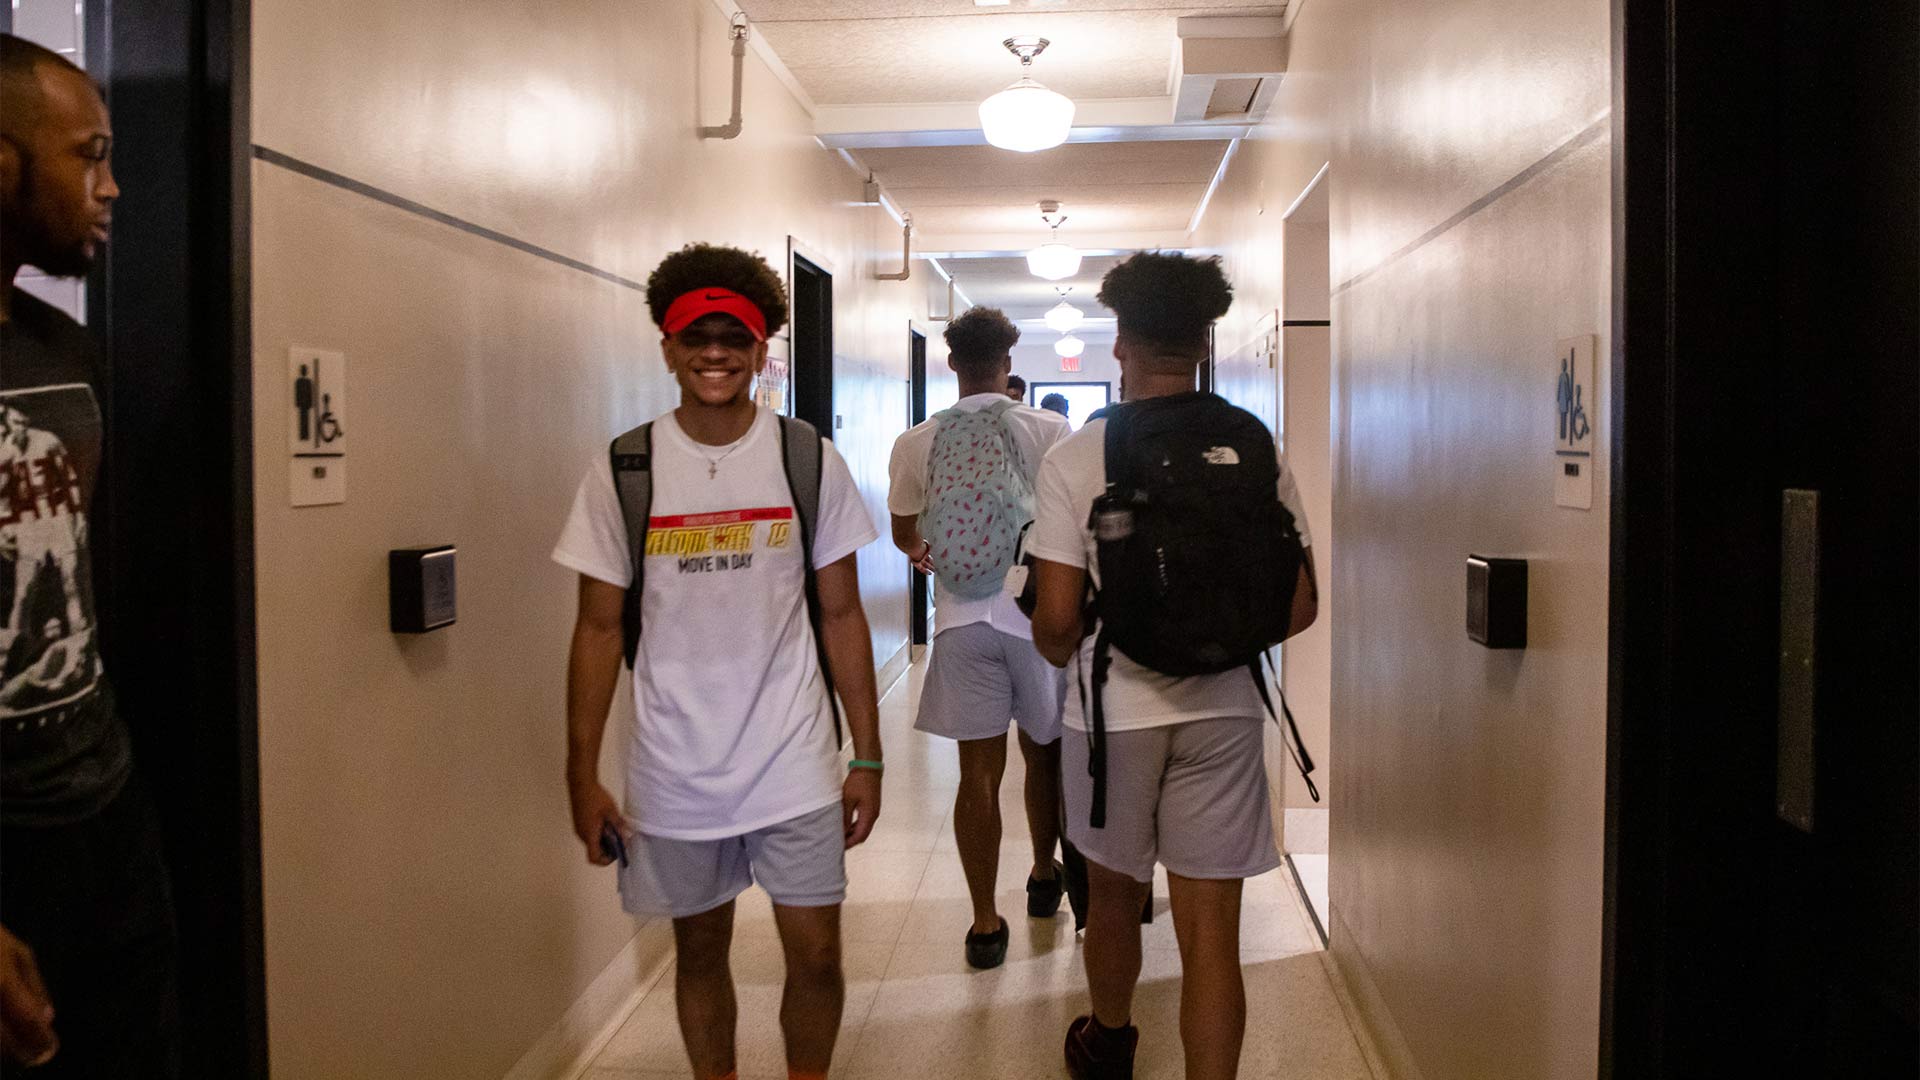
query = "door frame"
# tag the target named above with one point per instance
(798, 252)
(171, 304)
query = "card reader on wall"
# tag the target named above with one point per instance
(1497, 601)
(420, 589)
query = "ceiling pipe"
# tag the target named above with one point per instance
(948, 317)
(737, 30)
(906, 255)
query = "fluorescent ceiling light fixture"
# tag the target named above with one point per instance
(1069, 346)
(1063, 317)
(1026, 116)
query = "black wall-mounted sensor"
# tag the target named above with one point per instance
(1497, 601)
(420, 589)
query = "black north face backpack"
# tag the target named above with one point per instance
(1198, 555)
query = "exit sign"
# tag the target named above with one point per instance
(1069, 363)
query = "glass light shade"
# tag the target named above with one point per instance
(1026, 117)
(1054, 261)
(1069, 346)
(1063, 317)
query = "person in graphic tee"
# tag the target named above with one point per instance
(733, 772)
(984, 673)
(1016, 388)
(87, 950)
(1186, 785)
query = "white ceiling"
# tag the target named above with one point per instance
(896, 83)
(899, 51)
(1005, 283)
(1103, 188)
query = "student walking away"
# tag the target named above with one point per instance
(1056, 403)
(962, 492)
(1178, 512)
(715, 547)
(87, 946)
(1016, 388)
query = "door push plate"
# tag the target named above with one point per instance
(1799, 625)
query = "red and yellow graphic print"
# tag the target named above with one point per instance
(724, 540)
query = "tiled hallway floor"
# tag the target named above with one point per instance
(914, 1007)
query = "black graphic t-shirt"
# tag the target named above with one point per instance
(63, 752)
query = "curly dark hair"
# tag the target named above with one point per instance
(981, 337)
(1167, 301)
(714, 266)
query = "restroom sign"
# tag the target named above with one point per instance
(316, 414)
(1574, 414)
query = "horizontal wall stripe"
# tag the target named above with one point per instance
(1306, 322)
(1553, 157)
(401, 202)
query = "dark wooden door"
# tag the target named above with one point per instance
(1842, 850)
(1763, 884)
(813, 345)
(920, 596)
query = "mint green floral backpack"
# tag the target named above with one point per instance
(978, 500)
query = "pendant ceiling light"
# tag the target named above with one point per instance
(1069, 346)
(1053, 260)
(1063, 317)
(1026, 116)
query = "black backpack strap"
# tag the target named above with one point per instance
(1097, 729)
(1120, 467)
(801, 458)
(1296, 746)
(631, 456)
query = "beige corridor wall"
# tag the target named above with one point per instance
(428, 913)
(1470, 225)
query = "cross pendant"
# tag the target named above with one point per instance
(713, 469)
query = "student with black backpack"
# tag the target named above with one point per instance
(1175, 508)
(715, 547)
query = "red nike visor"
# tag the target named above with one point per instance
(690, 306)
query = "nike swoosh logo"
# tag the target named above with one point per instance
(716, 296)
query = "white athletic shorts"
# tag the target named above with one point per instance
(1190, 796)
(800, 862)
(980, 679)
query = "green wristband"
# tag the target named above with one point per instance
(862, 763)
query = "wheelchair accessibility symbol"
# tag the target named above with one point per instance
(1573, 397)
(317, 418)
(1574, 414)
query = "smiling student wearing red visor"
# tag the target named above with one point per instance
(715, 551)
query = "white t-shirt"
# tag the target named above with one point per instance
(1034, 432)
(1074, 475)
(734, 729)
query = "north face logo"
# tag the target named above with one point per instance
(1222, 455)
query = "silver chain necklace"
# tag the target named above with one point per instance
(713, 463)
